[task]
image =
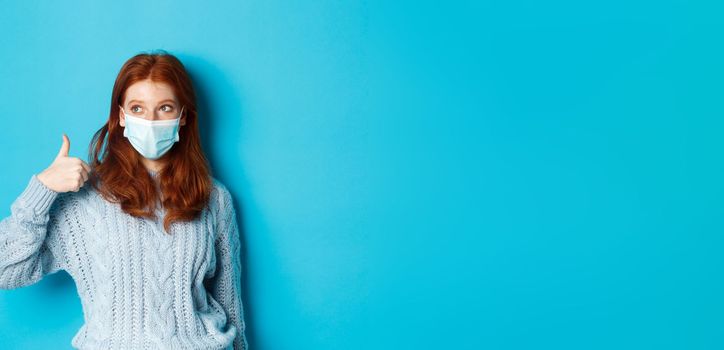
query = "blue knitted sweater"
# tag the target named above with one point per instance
(140, 288)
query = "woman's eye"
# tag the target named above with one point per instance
(169, 109)
(133, 109)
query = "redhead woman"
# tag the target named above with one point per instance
(146, 232)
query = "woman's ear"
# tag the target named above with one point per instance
(121, 117)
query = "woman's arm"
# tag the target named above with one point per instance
(32, 237)
(226, 283)
(30, 247)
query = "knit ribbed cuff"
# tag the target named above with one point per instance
(38, 196)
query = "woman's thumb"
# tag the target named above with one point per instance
(65, 147)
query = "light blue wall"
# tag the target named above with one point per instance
(416, 174)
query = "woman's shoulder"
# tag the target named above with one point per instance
(222, 206)
(220, 194)
(221, 202)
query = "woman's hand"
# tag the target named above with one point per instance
(65, 173)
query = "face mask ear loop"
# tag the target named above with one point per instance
(124, 113)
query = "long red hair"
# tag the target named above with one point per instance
(117, 172)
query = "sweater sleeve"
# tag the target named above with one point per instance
(29, 246)
(226, 282)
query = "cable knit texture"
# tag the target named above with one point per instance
(140, 288)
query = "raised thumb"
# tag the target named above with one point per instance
(65, 147)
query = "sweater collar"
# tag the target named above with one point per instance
(153, 173)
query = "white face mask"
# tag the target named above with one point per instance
(151, 138)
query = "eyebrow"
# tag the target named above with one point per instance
(141, 102)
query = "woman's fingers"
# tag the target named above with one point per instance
(85, 166)
(84, 174)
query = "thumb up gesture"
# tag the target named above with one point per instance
(66, 173)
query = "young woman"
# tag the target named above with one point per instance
(147, 234)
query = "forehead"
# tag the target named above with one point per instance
(149, 91)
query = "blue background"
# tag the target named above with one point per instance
(416, 174)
